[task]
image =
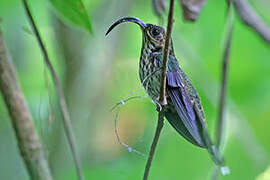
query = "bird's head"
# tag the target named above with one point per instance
(153, 34)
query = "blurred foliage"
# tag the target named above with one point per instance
(265, 175)
(74, 11)
(98, 71)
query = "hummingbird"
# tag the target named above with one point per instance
(184, 109)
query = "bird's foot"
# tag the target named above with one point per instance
(164, 101)
(159, 104)
(158, 107)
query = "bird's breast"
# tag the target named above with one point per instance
(150, 76)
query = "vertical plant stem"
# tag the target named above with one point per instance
(154, 144)
(166, 52)
(162, 96)
(62, 101)
(224, 77)
(224, 83)
(22, 122)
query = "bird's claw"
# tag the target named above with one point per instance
(158, 107)
(159, 104)
(164, 101)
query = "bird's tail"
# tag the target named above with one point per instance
(215, 154)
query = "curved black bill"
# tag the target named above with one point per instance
(127, 19)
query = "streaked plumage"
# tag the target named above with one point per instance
(184, 109)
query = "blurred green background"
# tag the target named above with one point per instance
(96, 72)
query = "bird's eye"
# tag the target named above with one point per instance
(155, 32)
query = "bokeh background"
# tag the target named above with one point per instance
(96, 72)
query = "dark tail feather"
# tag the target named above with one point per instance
(204, 141)
(179, 126)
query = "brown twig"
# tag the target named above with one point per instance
(162, 96)
(224, 83)
(22, 121)
(252, 19)
(62, 101)
(154, 145)
(166, 52)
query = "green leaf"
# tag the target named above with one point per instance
(74, 12)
